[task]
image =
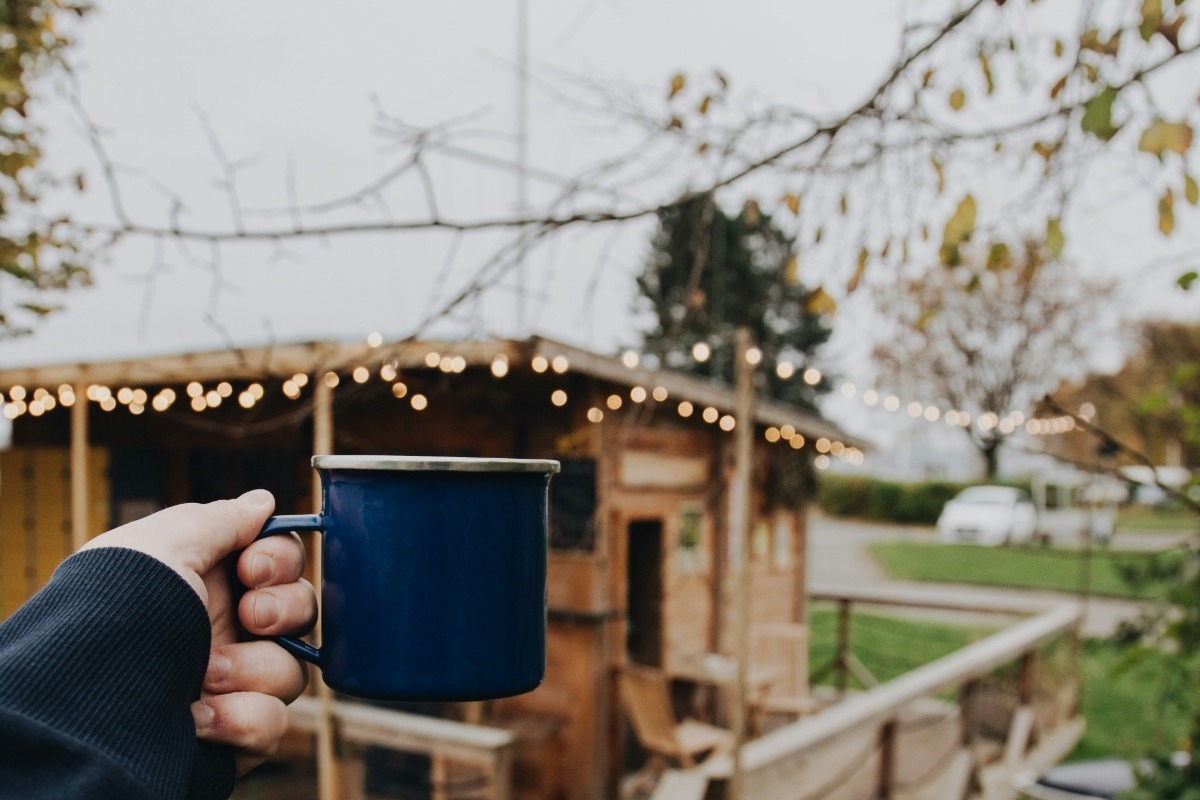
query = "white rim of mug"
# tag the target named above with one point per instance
(436, 464)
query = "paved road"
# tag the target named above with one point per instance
(838, 559)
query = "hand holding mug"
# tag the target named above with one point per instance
(247, 684)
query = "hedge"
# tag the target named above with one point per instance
(889, 501)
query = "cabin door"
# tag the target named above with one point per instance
(645, 593)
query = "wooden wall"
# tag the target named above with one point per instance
(35, 516)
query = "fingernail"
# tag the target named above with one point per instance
(204, 716)
(258, 497)
(262, 569)
(219, 667)
(266, 609)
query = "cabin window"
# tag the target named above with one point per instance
(573, 506)
(691, 540)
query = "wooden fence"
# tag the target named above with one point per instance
(486, 752)
(934, 731)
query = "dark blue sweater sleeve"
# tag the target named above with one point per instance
(97, 675)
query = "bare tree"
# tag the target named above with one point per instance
(976, 89)
(876, 174)
(985, 340)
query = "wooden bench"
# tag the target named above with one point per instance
(489, 750)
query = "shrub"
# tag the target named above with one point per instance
(888, 501)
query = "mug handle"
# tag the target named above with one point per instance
(286, 523)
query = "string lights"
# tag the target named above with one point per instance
(19, 400)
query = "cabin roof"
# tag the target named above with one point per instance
(284, 360)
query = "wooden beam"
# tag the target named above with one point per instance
(79, 471)
(410, 733)
(740, 513)
(327, 779)
(923, 598)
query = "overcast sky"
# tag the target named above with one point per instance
(292, 90)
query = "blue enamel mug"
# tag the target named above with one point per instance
(433, 582)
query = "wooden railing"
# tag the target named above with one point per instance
(486, 751)
(878, 743)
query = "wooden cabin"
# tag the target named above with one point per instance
(639, 562)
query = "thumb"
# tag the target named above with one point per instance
(205, 534)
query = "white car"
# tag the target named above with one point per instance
(988, 515)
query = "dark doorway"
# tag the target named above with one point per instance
(645, 596)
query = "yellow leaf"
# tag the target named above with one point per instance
(793, 203)
(957, 231)
(999, 258)
(1057, 88)
(704, 104)
(1055, 241)
(843, 205)
(1152, 15)
(986, 66)
(927, 78)
(791, 272)
(1059, 48)
(750, 212)
(1166, 212)
(1162, 137)
(958, 99)
(675, 123)
(941, 175)
(856, 278)
(1046, 150)
(677, 84)
(1191, 192)
(702, 148)
(961, 224)
(819, 302)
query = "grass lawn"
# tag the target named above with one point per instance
(1122, 707)
(888, 646)
(1137, 519)
(1047, 568)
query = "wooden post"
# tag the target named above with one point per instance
(967, 695)
(842, 659)
(887, 761)
(327, 777)
(740, 513)
(79, 470)
(800, 568)
(1025, 691)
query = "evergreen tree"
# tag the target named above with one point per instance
(709, 273)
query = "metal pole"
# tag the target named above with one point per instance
(739, 528)
(79, 470)
(327, 768)
(522, 149)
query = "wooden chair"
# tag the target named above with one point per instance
(783, 648)
(647, 700)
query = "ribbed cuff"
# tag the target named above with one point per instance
(112, 652)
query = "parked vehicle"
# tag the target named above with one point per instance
(988, 515)
(1074, 506)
